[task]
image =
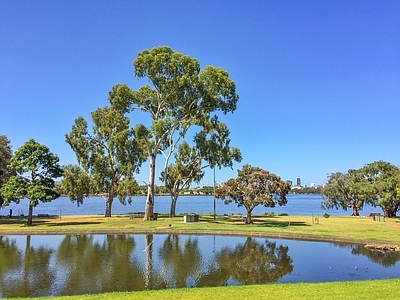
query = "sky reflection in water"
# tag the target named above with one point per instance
(77, 264)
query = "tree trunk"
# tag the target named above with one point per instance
(248, 218)
(108, 206)
(149, 212)
(356, 212)
(174, 198)
(30, 215)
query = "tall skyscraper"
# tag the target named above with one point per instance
(298, 181)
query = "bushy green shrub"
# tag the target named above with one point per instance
(269, 214)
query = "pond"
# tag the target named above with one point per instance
(37, 265)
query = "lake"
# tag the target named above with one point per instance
(33, 266)
(305, 205)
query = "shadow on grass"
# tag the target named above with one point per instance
(43, 221)
(278, 224)
(21, 221)
(73, 223)
(264, 222)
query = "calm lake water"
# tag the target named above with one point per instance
(37, 265)
(305, 205)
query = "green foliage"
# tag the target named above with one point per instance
(110, 156)
(326, 215)
(76, 183)
(252, 187)
(179, 96)
(36, 168)
(345, 190)
(382, 181)
(187, 169)
(5, 157)
(376, 184)
(307, 190)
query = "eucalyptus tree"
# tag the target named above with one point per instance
(212, 149)
(345, 190)
(5, 157)
(179, 96)
(111, 155)
(252, 187)
(36, 168)
(76, 183)
(186, 170)
(382, 183)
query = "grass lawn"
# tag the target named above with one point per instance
(332, 228)
(369, 289)
(351, 229)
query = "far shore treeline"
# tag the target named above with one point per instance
(205, 190)
(185, 106)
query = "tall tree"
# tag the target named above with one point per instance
(5, 157)
(76, 183)
(179, 95)
(345, 190)
(212, 149)
(383, 180)
(36, 168)
(111, 156)
(176, 177)
(252, 187)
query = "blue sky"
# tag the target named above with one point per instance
(319, 81)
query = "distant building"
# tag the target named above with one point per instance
(298, 181)
(289, 182)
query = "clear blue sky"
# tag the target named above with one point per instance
(319, 81)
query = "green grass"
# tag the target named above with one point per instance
(369, 289)
(352, 229)
(333, 228)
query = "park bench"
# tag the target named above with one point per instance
(377, 217)
(374, 214)
(43, 215)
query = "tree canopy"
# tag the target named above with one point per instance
(179, 95)
(252, 187)
(375, 184)
(76, 183)
(212, 149)
(111, 155)
(36, 168)
(5, 157)
(345, 190)
(382, 180)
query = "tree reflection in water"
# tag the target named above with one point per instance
(384, 258)
(97, 267)
(249, 263)
(180, 260)
(25, 274)
(87, 264)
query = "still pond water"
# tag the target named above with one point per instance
(78, 264)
